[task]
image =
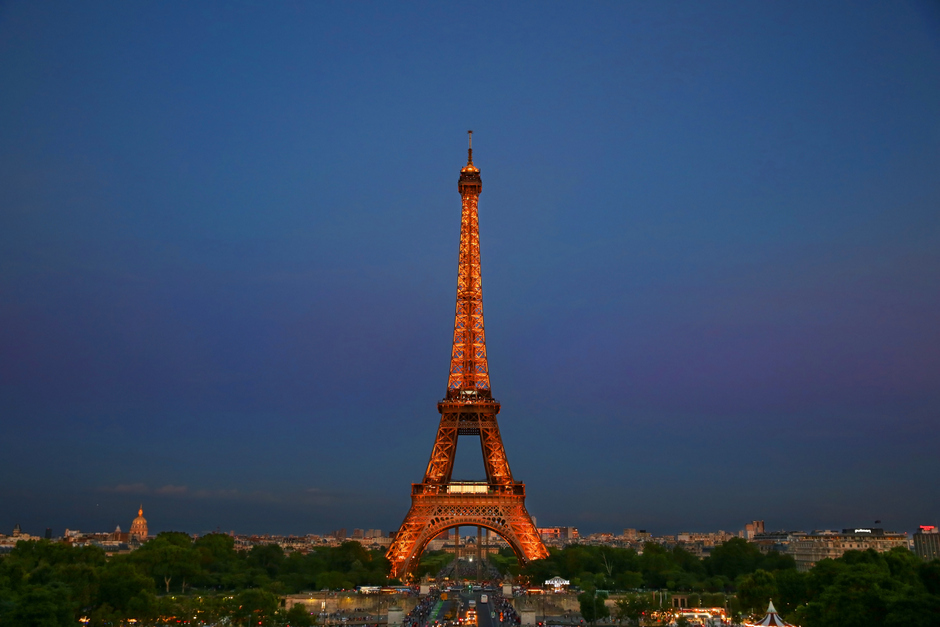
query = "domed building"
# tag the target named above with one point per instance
(139, 526)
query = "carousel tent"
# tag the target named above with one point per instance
(772, 619)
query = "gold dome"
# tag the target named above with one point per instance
(139, 526)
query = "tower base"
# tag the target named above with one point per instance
(435, 508)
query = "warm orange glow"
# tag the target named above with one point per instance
(438, 504)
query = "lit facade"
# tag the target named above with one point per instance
(927, 542)
(821, 545)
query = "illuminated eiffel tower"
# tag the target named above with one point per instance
(438, 503)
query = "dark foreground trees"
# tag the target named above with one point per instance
(632, 608)
(593, 605)
(51, 584)
(893, 589)
(658, 567)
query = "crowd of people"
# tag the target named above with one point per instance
(505, 609)
(421, 613)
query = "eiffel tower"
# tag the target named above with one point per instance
(438, 503)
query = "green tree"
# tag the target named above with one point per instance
(929, 574)
(756, 589)
(657, 566)
(254, 607)
(267, 558)
(168, 559)
(792, 590)
(82, 580)
(734, 558)
(855, 597)
(632, 608)
(592, 605)
(43, 606)
(296, 616)
(120, 582)
(219, 564)
(333, 580)
(870, 588)
(628, 580)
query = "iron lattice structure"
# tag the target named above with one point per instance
(438, 504)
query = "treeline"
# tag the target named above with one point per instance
(892, 589)
(175, 578)
(46, 583)
(657, 567)
(432, 562)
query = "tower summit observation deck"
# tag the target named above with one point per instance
(467, 409)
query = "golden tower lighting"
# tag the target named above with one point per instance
(438, 503)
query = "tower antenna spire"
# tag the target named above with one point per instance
(470, 149)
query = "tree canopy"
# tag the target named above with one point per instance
(53, 584)
(657, 567)
(50, 584)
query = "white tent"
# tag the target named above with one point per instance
(772, 619)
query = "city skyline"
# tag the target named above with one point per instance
(553, 535)
(709, 239)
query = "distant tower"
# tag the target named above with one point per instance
(438, 503)
(139, 526)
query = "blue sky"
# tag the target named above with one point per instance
(710, 243)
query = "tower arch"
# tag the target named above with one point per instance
(496, 524)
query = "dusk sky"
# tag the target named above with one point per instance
(710, 237)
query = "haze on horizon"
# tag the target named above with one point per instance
(710, 243)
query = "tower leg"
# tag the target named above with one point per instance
(494, 454)
(456, 553)
(441, 464)
(479, 551)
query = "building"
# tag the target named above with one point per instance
(709, 539)
(139, 526)
(927, 542)
(700, 544)
(119, 536)
(8, 542)
(779, 541)
(820, 545)
(376, 542)
(558, 533)
(753, 528)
